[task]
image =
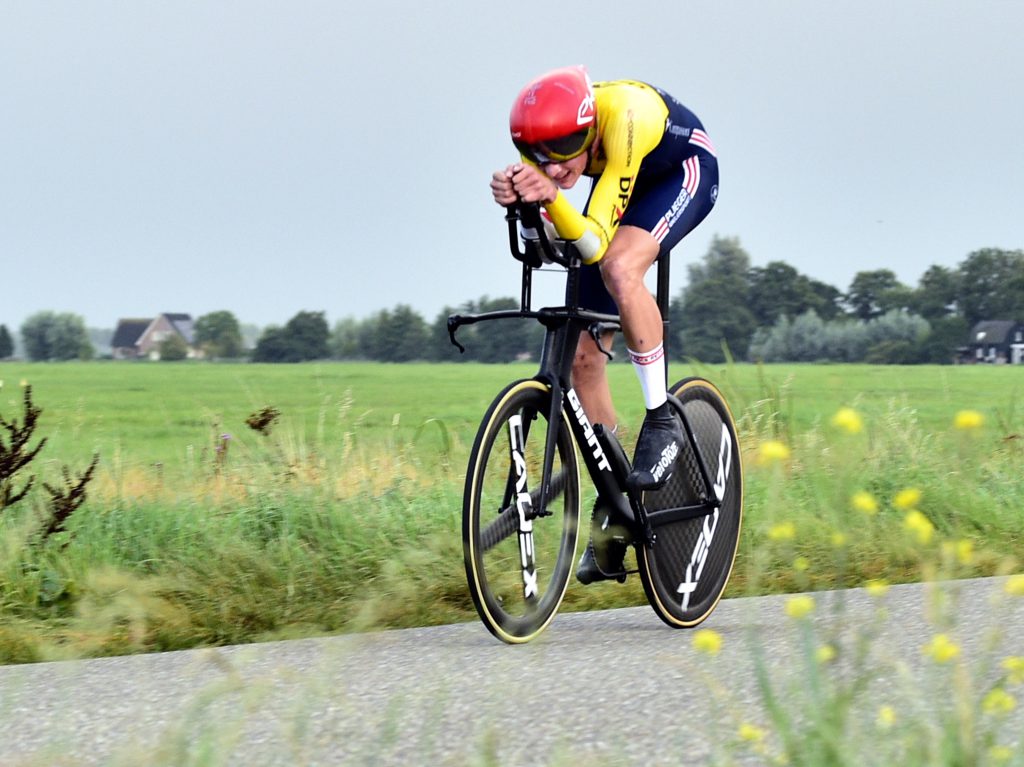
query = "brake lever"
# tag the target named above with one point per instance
(453, 326)
(595, 333)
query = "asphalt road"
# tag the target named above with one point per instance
(611, 687)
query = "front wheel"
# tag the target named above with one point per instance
(696, 516)
(519, 557)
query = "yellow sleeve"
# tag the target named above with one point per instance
(632, 124)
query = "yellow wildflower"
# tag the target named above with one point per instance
(962, 551)
(941, 649)
(998, 701)
(1014, 666)
(848, 419)
(707, 641)
(886, 717)
(965, 552)
(783, 531)
(1015, 586)
(825, 654)
(968, 420)
(919, 525)
(1000, 753)
(801, 564)
(877, 587)
(907, 499)
(772, 452)
(864, 502)
(799, 606)
(751, 733)
(838, 540)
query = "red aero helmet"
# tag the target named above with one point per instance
(553, 117)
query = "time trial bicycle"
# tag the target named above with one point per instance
(521, 503)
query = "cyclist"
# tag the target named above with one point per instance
(655, 178)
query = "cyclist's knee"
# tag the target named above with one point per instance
(621, 276)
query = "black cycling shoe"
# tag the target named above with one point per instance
(604, 557)
(661, 440)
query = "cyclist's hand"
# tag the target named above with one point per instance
(532, 184)
(502, 189)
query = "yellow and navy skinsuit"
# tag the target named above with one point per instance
(655, 168)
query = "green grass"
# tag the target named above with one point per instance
(347, 515)
(141, 414)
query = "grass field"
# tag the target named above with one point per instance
(141, 414)
(347, 514)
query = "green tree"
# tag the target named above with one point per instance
(304, 337)
(219, 335)
(991, 285)
(778, 289)
(173, 348)
(51, 336)
(895, 337)
(307, 334)
(6, 343)
(948, 334)
(344, 339)
(712, 309)
(873, 293)
(400, 335)
(272, 346)
(936, 293)
(828, 304)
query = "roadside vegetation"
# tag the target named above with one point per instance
(336, 505)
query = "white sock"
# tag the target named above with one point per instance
(650, 369)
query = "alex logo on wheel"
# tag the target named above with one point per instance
(524, 506)
(700, 551)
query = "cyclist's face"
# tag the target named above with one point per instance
(566, 173)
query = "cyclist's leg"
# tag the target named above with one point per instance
(630, 255)
(602, 557)
(589, 368)
(590, 379)
(665, 208)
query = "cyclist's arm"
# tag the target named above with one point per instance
(627, 139)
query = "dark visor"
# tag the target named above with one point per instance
(558, 149)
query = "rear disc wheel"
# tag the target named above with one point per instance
(685, 570)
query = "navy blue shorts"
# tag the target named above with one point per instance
(669, 205)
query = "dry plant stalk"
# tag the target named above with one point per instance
(15, 453)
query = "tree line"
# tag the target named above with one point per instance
(774, 313)
(728, 308)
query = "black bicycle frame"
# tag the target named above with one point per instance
(603, 456)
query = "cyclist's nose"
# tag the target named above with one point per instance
(554, 170)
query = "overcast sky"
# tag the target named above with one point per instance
(270, 157)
